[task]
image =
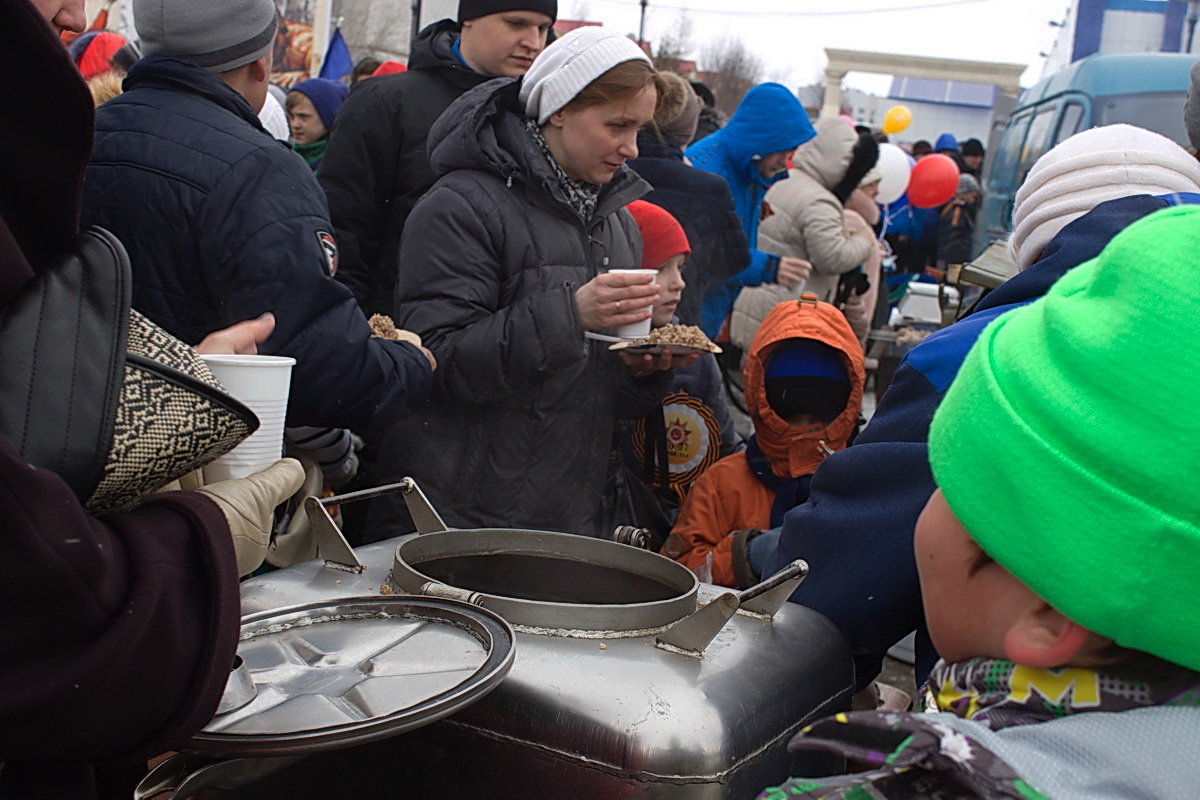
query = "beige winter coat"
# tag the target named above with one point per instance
(807, 222)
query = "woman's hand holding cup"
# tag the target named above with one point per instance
(615, 299)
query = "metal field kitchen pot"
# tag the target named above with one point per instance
(630, 679)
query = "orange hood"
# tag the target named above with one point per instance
(795, 451)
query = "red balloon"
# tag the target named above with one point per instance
(934, 180)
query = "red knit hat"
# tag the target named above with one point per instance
(389, 68)
(662, 235)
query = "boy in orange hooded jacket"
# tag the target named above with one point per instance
(804, 383)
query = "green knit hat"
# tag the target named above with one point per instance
(1069, 444)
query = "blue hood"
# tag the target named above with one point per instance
(768, 120)
(946, 142)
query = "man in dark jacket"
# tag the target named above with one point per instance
(376, 166)
(856, 530)
(701, 202)
(223, 223)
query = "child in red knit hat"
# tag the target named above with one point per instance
(660, 456)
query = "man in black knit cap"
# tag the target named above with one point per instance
(376, 166)
(972, 156)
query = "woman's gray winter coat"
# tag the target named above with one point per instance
(520, 425)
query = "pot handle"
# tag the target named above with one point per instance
(332, 545)
(692, 634)
(420, 509)
(436, 589)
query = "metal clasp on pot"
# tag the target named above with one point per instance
(692, 634)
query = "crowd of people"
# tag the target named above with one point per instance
(510, 201)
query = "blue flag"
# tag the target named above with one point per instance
(337, 63)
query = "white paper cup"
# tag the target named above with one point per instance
(636, 330)
(261, 382)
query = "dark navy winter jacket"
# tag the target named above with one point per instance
(701, 202)
(223, 223)
(856, 530)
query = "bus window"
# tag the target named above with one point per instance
(1161, 112)
(1037, 141)
(1069, 124)
(1009, 150)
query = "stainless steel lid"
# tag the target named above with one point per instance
(540, 579)
(346, 672)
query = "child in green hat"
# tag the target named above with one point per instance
(1058, 558)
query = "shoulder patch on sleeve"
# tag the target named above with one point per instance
(329, 249)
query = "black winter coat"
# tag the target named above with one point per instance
(956, 232)
(703, 205)
(223, 223)
(521, 423)
(376, 167)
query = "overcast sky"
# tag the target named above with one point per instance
(790, 35)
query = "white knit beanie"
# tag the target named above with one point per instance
(566, 67)
(1087, 169)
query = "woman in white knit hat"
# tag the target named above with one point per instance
(502, 271)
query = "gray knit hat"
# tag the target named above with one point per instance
(218, 35)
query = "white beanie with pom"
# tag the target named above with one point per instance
(566, 67)
(1087, 169)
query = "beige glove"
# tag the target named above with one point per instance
(297, 543)
(248, 504)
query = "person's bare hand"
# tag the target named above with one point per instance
(684, 360)
(611, 300)
(642, 365)
(792, 271)
(241, 339)
(428, 356)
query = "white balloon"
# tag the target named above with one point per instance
(896, 166)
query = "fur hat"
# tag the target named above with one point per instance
(1085, 170)
(862, 161)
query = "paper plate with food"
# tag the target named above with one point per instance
(679, 339)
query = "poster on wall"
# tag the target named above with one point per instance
(296, 57)
(301, 22)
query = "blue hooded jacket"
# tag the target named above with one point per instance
(769, 119)
(946, 142)
(856, 530)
